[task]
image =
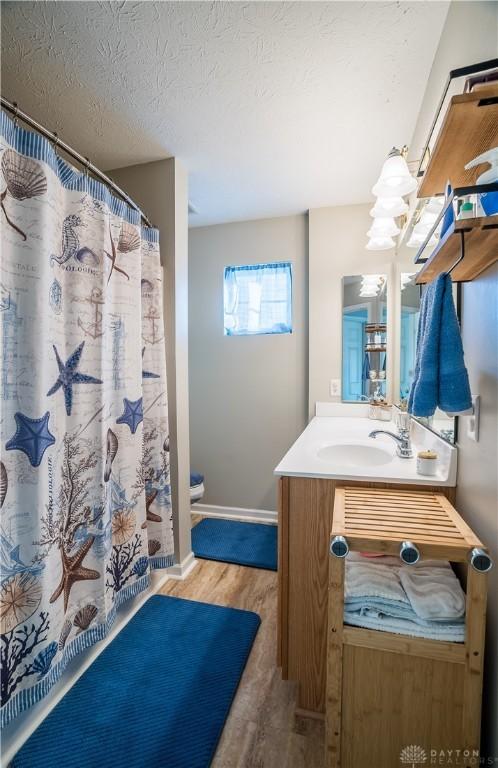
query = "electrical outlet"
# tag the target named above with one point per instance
(335, 387)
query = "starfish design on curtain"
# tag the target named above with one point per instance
(148, 374)
(32, 436)
(73, 570)
(132, 414)
(68, 375)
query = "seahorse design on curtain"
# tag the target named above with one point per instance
(84, 471)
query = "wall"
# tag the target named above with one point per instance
(337, 239)
(469, 36)
(247, 393)
(477, 495)
(160, 188)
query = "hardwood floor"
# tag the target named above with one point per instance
(262, 730)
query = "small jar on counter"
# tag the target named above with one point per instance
(427, 462)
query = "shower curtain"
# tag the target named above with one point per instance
(84, 472)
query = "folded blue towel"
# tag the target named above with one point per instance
(441, 378)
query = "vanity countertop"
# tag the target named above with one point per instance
(339, 448)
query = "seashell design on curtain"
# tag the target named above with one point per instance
(84, 471)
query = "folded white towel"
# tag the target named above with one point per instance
(373, 620)
(434, 593)
(357, 557)
(370, 579)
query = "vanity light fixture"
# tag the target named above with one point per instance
(423, 226)
(371, 285)
(380, 243)
(417, 239)
(406, 279)
(371, 280)
(395, 177)
(394, 183)
(389, 206)
(383, 227)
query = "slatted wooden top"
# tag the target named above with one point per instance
(378, 520)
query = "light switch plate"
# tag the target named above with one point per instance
(473, 421)
(335, 387)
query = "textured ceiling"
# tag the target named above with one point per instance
(272, 107)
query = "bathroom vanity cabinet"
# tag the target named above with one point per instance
(305, 522)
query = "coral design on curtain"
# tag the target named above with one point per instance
(84, 472)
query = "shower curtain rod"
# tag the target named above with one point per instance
(84, 161)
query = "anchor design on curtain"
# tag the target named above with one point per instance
(84, 474)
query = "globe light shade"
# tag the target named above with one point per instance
(389, 207)
(406, 279)
(395, 177)
(380, 244)
(435, 205)
(383, 227)
(417, 239)
(371, 279)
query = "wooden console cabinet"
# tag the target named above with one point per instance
(304, 525)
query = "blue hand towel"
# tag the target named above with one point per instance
(454, 394)
(440, 377)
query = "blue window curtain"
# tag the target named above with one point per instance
(258, 299)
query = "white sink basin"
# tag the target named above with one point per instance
(354, 455)
(339, 448)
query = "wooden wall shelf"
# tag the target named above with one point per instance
(481, 250)
(470, 127)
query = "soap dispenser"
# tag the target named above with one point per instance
(488, 201)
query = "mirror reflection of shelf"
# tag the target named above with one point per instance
(376, 328)
(376, 348)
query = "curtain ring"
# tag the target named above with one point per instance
(55, 142)
(87, 163)
(16, 112)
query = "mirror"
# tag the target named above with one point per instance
(440, 423)
(364, 337)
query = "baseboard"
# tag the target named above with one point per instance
(236, 513)
(181, 570)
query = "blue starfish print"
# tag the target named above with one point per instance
(132, 414)
(148, 374)
(32, 437)
(68, 376)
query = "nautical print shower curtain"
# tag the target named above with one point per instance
(84, 473)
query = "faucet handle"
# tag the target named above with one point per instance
(404, 433)
(403, 419)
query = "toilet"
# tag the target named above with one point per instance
(196, 487)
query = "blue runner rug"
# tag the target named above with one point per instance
(157, 696)
(229, 541)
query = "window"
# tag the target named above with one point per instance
(258, 299)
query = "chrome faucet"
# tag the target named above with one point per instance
(404, 448)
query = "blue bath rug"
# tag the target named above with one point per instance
(229, 541)
(157, 696)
